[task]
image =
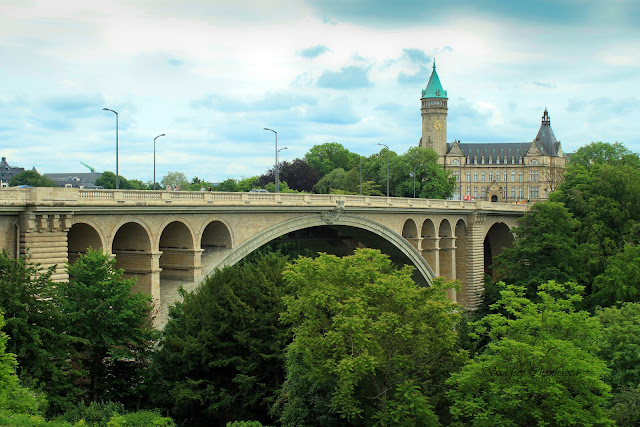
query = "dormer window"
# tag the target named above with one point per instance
(533, 162)
(455, 162)
(483, 160)
(490, 160)
(498, 160)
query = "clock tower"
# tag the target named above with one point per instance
(434, 116)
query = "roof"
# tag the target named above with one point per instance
(546, 140)
(508, 152)
(82, 178)
(434, 88)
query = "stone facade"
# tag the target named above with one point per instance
(7, 172)
(499, 172)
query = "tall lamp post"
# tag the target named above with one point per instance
(277, 174)
(387, 147)
(278, 163)
(117, 171)
(154, 159)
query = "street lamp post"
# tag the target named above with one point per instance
(387, 147)
(277, 174)
(278, 163)
(117, 171)
(154, 159)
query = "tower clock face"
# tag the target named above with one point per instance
(437, 125)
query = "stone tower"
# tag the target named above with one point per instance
(434, 116)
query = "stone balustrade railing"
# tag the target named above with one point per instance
(43, 196)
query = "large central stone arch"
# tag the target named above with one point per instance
(271, 233)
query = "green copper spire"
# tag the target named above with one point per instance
(434, 88)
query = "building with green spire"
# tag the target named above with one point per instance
(499, 172)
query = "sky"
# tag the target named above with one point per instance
(211, 75)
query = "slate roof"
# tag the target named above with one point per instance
(85, 179)
(508, 152)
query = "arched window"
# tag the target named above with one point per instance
(455, 162)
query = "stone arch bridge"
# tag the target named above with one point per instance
(167, 239)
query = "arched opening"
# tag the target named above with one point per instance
(339, 240)
(132, 248)
(178, 260)
(461, 260)
(410, 232)
(81, 237)
(494, 198)
(430, 245)
(216, 243)
(498, 237)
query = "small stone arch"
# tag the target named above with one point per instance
(80, 237)
(131, 246)
(410, 232)
(400, 243)
(178, 258)
(430, 244)
(498, 237)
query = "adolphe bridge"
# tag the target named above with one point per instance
(168, 239)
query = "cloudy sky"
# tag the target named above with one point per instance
(212, 74)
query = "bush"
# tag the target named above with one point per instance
(141, 419)
(245, 424)
(96, 414)
(24, 420)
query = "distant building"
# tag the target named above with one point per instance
(7, 172)
(505, 172)
(76, 180)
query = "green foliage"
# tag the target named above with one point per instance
(339, 179)
(26, 420)
(222, 349)
(626, 406)
(13, 396)
(108, 180)
(369, 342)
(95, 414)
(620, 281)
(140, 419)
(543, 250)
(174, 179)
(283, 187)
(620, 344)
(329, 156)
(247, 184)
(598, 153)
(604, 196)
(32, 178)
(245, 424)
(540, 367)
(37, 329)
(113, 324)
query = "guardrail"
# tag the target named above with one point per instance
(83, 197)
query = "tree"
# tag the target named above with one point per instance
(329, 156)
(32, 178)
(605, 199)
(599, 153)
(175, 179)
(247, 184)
(620, 281)
(108, 180)
(222, 349)
(338, 179)
(114, 325)
(540, 367)
(14, 398)
(299, 175)
(374, 347)
(543, 250)
(620, 344)
(37, 330)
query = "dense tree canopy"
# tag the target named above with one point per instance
(37, 330)
(373, 346)
(329, 156)
(544, 248)
(222, 351)
(32, 178)
(114, 325)
(175, 179)
(540, 367)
